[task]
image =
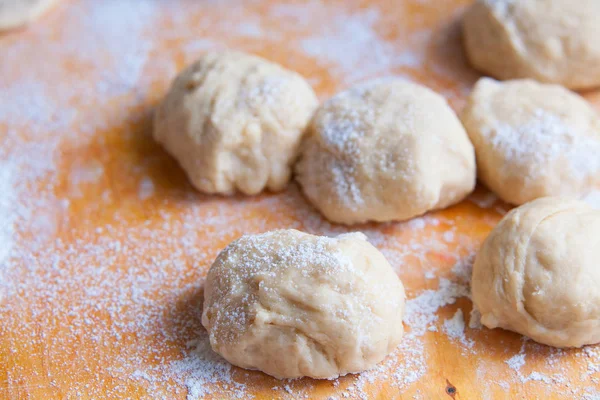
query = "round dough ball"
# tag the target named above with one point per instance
(537, 273)
(385, 150)
(234, 122)
(16, 13)
(292, 304)
(533, 140)
(554, 41)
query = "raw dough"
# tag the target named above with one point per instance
(553, 41)
(292, 304)
(538, 273)
(234, 122)
(16, 13)
(385, 150)
(533, 140)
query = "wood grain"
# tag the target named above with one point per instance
(46, 349)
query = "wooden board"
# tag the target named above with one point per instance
(104, 244)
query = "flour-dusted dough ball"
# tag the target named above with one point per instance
(385, 150)
(553, 41)
(533, 140)
(16, 13)
(234, 122)
(538, 273)
(292, 304)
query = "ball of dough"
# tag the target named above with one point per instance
(385, 150)
(292, 304)
(234, 122)
(537, 273)
(16, 13)
(533, 140)
(553, 41)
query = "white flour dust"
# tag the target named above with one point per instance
(118, 301)
(593, 199)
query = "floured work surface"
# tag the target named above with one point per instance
(104, 245)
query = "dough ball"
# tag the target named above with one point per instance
(537, 273)
(16, 13)
(292, 304)
(553, 41)
(234, 122)
(533, 140)
(385, 150)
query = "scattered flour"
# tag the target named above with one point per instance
(516, 361)
(421, 311)
(369, 54)
(593, 199)
(7, 216)
(118, 301)
(449, 236)
(455, 329)
(366, 52)
(202, 369)
(545, 140)
(146, 188)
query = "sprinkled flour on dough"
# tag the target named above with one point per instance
(104, 245)
(544, 140)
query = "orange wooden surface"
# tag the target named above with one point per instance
(106, 244)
